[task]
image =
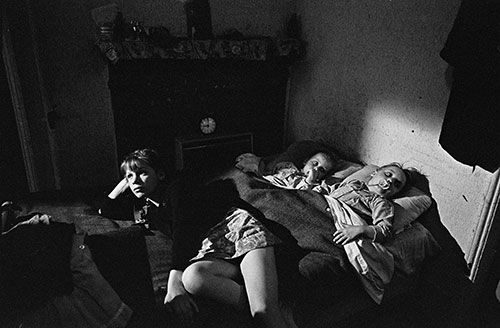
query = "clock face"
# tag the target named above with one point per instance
(207, 125)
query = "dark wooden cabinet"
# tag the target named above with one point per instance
(156, 101)
(216, 150)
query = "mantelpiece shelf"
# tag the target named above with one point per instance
(258, 49)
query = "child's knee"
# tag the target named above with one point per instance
(194, 278)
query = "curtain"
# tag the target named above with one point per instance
(471, 126)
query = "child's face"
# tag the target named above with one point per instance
(316, 167)
(387, 181)
(143, 181)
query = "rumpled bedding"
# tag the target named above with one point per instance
(371, 260)
(34, 264)
(302, 219)
(92, 302)
(49, 279)
(307, 222)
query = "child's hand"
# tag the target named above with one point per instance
(347, 234)
(249, 163)
(312, 176)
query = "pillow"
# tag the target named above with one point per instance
(298, 152)
(408, 205)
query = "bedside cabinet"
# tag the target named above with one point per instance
(211, 151)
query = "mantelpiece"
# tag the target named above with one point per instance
(255, 49)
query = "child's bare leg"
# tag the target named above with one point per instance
(258, 268)
(215, 279)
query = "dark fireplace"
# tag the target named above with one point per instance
(156, 101)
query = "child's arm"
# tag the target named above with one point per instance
(324, 188)
(350, 232)
(119, 189)
(376, 233)
(116, 207)
(250, 163)
(382, 215)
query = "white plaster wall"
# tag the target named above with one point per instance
(373, 85)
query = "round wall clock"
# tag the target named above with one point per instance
(207, 125)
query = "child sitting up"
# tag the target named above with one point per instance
(141, 195)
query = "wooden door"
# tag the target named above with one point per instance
(14, 181)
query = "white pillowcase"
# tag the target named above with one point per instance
(408, 207)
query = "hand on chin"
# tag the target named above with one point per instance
(138, 193)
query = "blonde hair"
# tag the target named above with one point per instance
(409, 173)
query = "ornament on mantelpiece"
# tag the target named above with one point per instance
(199, 19)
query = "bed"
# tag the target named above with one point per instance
(99, 259)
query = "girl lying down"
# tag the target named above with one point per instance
(236, 262)
(370, 200)
(286, 174)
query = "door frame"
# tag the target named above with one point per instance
(18, 106)
(487, 242)
(34, 172)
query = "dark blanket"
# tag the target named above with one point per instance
(300, 218)
(305, 216)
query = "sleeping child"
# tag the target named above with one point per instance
(371, 201)
(285, 174)
(236, 263)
